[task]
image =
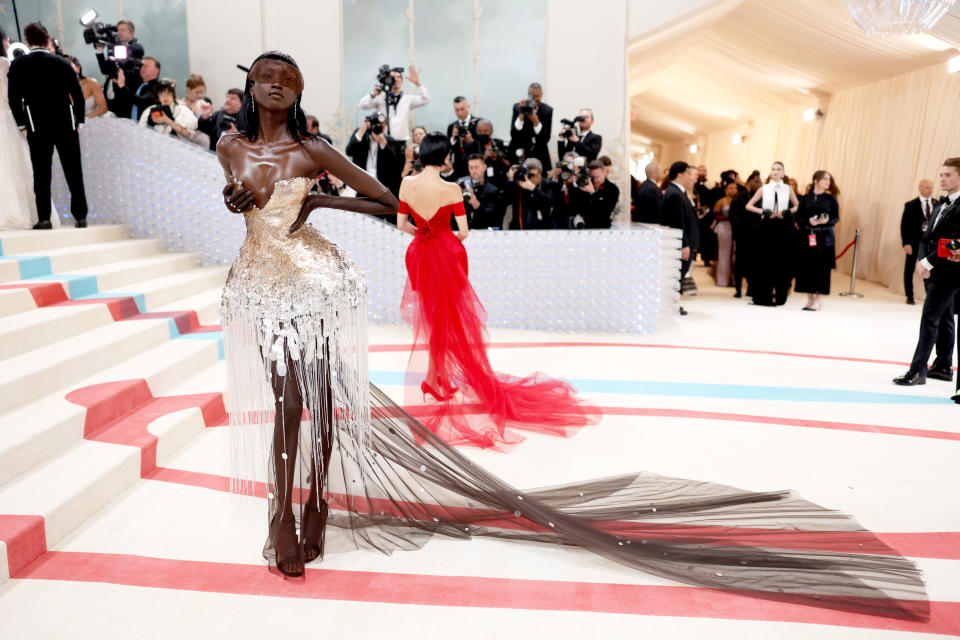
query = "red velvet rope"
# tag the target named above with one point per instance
(846, 248)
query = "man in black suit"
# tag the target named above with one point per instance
(461, 133)
(379, 155)
(677, 211)
(943, 275)
(648, 196)
(483, 205)
(912, 225)
(47, 104)
(581, 139)
(530, 131)
(602, 198)
(531, 197)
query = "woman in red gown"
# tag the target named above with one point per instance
(476, 404)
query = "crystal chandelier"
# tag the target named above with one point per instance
(892, 17)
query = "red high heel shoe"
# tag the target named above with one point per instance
(426, 388)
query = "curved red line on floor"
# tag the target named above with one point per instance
(462, 591)
(389, 348)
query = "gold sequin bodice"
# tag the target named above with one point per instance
(279, 275)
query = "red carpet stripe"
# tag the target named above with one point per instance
(461, 591)
(939, 545)
(389, 348)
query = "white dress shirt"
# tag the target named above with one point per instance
(398, 117)
(371, 167)
(951, 200)
(782, 192)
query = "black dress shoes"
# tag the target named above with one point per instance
(81, 224)
(940, 374)
(43, 224)
(956, 398)
(910, 301)
(910, 378)
(683, 311)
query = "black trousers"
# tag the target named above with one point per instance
(937, 326)
(67, 144)
(909, 265)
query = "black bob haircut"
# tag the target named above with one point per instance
(677, 168)
(434, 149)
(247, 121)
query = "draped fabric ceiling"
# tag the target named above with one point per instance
(733, 61)
(743, 67)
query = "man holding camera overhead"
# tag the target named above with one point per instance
(530, 133)
(577, 136)
(388, 98)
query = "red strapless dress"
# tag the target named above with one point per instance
(449, 325)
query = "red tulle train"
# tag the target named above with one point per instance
(480, 407)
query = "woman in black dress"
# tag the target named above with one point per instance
(816, 216)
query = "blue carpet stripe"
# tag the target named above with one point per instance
(707, 390)
(78, 286)
(31, 266)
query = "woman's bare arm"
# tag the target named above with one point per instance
(99, 98)
(377, 199)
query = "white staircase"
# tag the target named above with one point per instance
(90, 334)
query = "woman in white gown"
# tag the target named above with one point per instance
(16, 186)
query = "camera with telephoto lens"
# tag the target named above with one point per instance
(466, 187)
(385, 76)
(461, 130)
(577, 222)
(568, 126)
(376, 121)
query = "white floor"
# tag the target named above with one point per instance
(735, 359)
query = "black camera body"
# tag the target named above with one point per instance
(100, 33)
(226, 121)
(466, 187)
(577, 222)
(568, 125)
(376, 121)
(385, 76)
(519, 173)
(527, 106)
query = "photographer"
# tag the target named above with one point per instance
(373, 150)
(412, 165)
(106, 39)
(480, 198)
(530, 134)
(395, 103)
(145, 95)
(169, 117)
(216, 123)
(530, 196)
(577, 136)
(461, 134)
(604, 196)
(494, 152)
(570, 202)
